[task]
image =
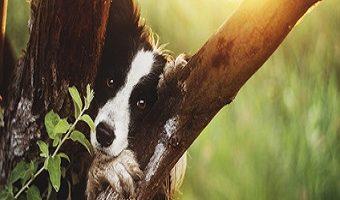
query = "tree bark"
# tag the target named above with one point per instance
(6, 69)
(64, 50)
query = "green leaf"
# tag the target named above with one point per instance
(6, 194)
(56, 142)
(18, 172)
(10, 188)
(78, 136)
(46, 163)
(76, 111)
(43, 149)
(32, 168)
(77, 102)
(3, 194)
(86, 118)
(33, 193)
(89, 96)
(51, 120)
(61, 127)
(63, 155)
(54, 170)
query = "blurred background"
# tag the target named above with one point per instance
(280, 138)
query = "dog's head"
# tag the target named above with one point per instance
(126, 84)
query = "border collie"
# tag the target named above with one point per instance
(125, 91)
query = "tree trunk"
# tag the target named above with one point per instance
(64, 50)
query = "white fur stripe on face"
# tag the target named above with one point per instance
(116, 111)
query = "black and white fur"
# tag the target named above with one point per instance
(125, 91)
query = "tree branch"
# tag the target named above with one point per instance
(190, 97)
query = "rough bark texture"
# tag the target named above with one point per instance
(7, 67)
(64, 50)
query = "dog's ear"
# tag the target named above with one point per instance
(124, 32)
(122, 35)
(124, 14)
(123, 28)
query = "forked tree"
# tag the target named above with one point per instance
(64, 49)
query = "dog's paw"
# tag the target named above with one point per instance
(172, 68)
(122, 173)
(181, 61)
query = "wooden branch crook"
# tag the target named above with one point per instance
(190, 97)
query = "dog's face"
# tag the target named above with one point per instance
(126, 83)
(125, 92)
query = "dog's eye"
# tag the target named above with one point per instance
(110, 82)
(141, 104)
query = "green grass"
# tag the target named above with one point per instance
(279, 139)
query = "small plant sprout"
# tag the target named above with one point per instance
(59, 131)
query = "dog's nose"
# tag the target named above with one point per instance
(104, 134)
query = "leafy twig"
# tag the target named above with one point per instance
(59, 130)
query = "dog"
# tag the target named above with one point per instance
(125, 91)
